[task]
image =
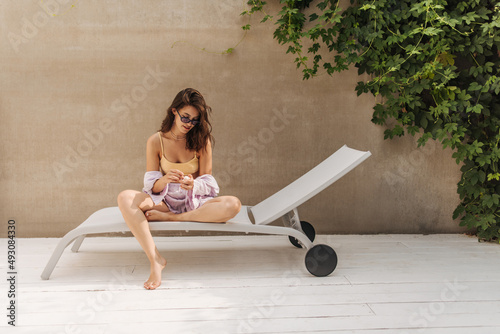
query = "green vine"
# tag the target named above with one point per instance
(435, 65)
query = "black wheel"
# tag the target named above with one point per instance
(321, 260)
(308, 230)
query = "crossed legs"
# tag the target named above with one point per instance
(216, 210)
(138, 207)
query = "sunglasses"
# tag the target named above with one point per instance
(187, 120)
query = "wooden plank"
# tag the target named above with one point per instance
(87, 314)
(437, 307)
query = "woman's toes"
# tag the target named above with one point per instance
(152, 215)
(155, 215)
(151, 285)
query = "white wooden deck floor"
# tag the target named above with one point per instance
(446, 284)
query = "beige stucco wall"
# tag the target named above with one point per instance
(81, 90)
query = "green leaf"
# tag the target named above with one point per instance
(491, 200)
(474, 86)
(431, 31)
(495, 176)
(483, 160)
(368, 6)
(446, 59)
(424, 122)
(313, 17)
(458, 211)
(475, 109)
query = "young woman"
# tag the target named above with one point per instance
(178, 185)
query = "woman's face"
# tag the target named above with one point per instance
(188, 112)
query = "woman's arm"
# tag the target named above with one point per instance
(205, 160)
(153, 153)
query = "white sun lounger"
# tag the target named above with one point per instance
(320, 260)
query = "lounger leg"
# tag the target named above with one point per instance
(78, 243)
(56, 255)
(291, 219)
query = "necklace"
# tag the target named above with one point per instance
(175, 137)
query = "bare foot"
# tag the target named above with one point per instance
(156, 215)
(154, 279)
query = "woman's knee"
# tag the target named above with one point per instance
(133, 199)
(126, 198)
(233, 205)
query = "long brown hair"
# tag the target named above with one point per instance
(197, 138)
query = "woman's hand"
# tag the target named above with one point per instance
(187, 182)
(174, 176)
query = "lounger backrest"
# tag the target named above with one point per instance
(308, 185)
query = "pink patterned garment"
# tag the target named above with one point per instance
(179, 200)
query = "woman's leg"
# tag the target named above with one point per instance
(132, 204)
(217, 210)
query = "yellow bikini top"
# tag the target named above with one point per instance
(189, 167)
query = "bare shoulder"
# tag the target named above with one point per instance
(154, 140)
(153, 143)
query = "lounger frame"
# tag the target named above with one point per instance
(250, 219)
